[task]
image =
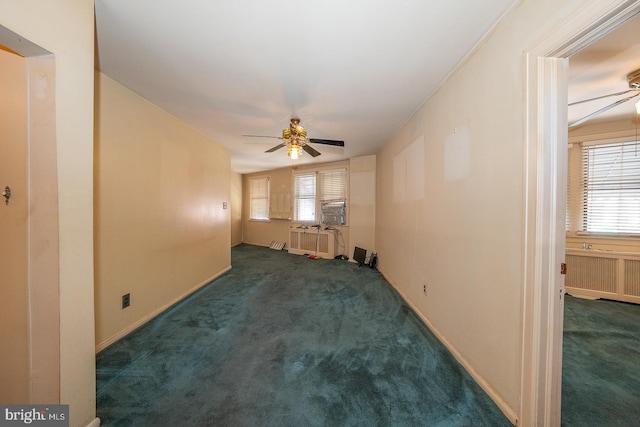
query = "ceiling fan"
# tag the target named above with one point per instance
(633, 79)
(295, 139)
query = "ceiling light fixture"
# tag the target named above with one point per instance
(294, 151)
(296, 138)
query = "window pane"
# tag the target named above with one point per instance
(611, 188)
(304, 197)
(259, 198)
(333, 185)
(333, 196)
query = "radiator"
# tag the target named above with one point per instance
(311, 242)
(603, 274)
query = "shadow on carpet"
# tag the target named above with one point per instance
(283, 340)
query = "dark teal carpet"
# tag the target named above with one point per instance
(601, 364)
(283, 340)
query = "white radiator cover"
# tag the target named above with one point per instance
(603, 274)
(310, 241)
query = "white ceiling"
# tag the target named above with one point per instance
(601, 69)
(352, 71)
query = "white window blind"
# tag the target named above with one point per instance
(304, 208)
(573, 219)
(611, 188)
(259, 198)
(333, 196)
(333, 185)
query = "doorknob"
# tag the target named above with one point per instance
(7, 194)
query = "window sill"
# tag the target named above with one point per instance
(607, 236)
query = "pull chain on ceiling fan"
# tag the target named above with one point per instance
(633, 80)
(295, 139)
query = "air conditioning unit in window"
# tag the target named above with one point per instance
(333, 213)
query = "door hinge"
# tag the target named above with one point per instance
(563, 268)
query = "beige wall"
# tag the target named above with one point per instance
(236, 208)
(362, 204)
(65, 28)
(450, 197)
(160, 227)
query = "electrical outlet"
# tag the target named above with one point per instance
(424, 289)
(126, 300)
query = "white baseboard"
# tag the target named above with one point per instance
(156, 312)
(94, 423)
(493, 394)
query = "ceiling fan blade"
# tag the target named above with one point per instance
(311, 150)
(262, 136)
(277, 147)
(602, 110)
(602, 97)
(327, 142)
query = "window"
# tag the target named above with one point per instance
(304, 195)
(321, 197)
(259, 198)
(610, 185)
(333, 197)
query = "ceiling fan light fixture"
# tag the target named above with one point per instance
(294, 151)
(296, 140)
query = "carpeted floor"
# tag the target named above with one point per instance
(601, 364)
(283, 340)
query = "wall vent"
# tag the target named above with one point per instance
(312, 242)
(593, 273)
(603, 274)
(632, 277)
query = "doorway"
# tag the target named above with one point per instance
(29, 223)
(545, 201)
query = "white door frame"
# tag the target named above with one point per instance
(545, 197)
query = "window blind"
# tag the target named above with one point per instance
(333, 196)
(611, 188)
(259, 198)
(333, 185)
(573, 219)
(304, 189)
